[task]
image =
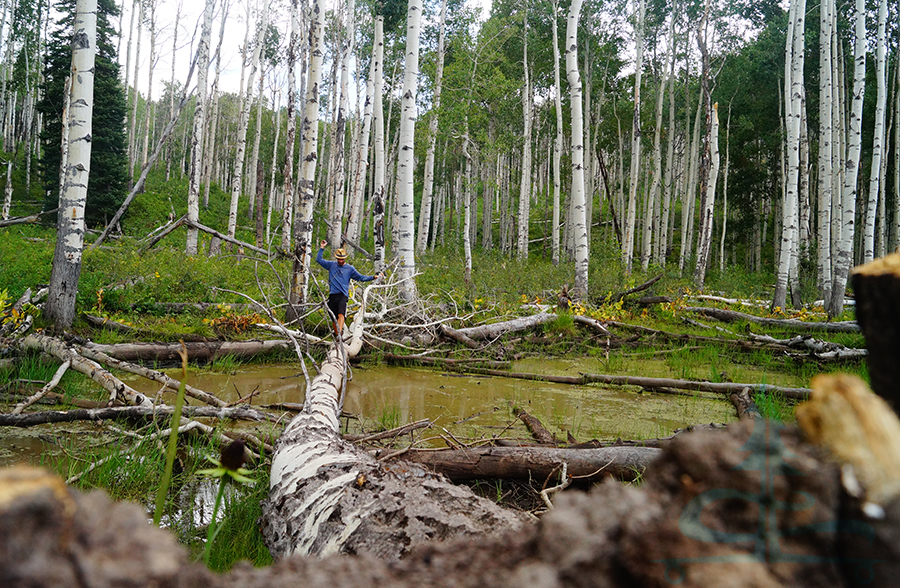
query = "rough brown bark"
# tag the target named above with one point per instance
(536, 463)
(538, 431)
(743, 403)
(877, 289)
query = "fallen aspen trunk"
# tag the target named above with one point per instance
(535, 463)
(44, 417)
(90, 368)
(196, 351)
(732, 316)
(494, 330)
(327, 496)
(744, 405)
(646, 383)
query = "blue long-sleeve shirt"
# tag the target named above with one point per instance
(339, 276)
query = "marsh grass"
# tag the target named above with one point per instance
(774, 406)
(132, 471)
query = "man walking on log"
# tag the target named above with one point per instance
(339, 275)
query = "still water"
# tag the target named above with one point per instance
(467, 407)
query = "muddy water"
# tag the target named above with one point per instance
(468, 407)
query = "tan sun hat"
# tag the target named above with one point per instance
(340, 254)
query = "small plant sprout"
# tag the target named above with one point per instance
(229, 465)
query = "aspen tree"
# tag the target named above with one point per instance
(378, 185)
(634, 174)
(826, 124)
(878, 146)
(243, 123)
(309, 140)
(405, 246)
(66, 270)
(525, 183)
(198, 128)
(580, 290)
(290, 133)
(428, 185)
(844, 256)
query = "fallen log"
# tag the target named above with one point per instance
(647, 383)
(25, 219)
(90, 368)
(495, 330)
(327, 496)
(535, 463)
(744, 405)
(196, 351)
(534, 425)
(452, 333)
(30, 419)
(151, 374)
(614, 298)
(731, 316)
(108, 324)
(442, 361)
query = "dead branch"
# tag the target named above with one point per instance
(43, 391)
(31, 419)
(196, 350)
(743, 403)
(390, 434)
(613, 298)
(537, 429)
(729, 316)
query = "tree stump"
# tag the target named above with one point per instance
(876, 286)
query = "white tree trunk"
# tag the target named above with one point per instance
(558, 141)
(579, 224)
(634, 174)
(826, 125)
(428, 187)
(878, 146)
(794, 59)
(290, 133)
(895, 226)
(303, 219)
(243, 123)
(199, 126)
(668, 184)
(406, 159)
(66, 270)
(652, 214)
(525, 183)
(704, 240)
(358, 184)
(7, 193)
(273, 202)
(135, 94)
(338, 138)
(844, 257)
(725, 190)
(148, 107)
(378, 195)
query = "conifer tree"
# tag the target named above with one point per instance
(108, 142)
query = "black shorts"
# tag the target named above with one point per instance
(337, 304)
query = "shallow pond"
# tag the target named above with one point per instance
(468, 407)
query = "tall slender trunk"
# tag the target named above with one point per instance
(303, 216)
(358, 183)
(273, 201)
(378, 193)
(558, 140)
(652, 214)
(145, 147)
(290, 133)
(878, 146)
(634, 173)
(169, 149)
(580, 291)
(66, 270)
(525, 183)
(337, 145)
(428, 187)
(199, 127)
(135, 98)
(406, 156)
(253, 176)
(668, 184)
(246, 102)
(844, 257)
(826, 145)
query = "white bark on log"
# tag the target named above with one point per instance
(326, 496)
(168, 352)
(90, 368)
(494, 330)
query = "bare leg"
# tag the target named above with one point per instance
(340, 326)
